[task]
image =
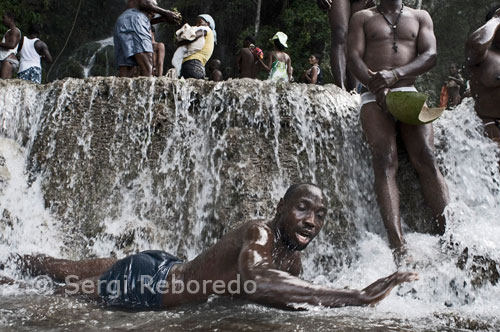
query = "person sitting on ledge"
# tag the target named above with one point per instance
(258, 261)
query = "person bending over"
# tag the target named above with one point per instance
(132, 36)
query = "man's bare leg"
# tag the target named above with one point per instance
(419, 142)
(339, 22)
(126, 71)
(145, 61)
(59, 269)
(6, 70)
(351, 81)
(159, 55)
(380, 132)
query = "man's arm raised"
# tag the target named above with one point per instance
(480, 41)
(282, 289)
(167, 15)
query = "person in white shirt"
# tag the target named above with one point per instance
(32, 51)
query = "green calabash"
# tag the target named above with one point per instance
(410, 107)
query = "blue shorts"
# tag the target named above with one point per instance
(134, 281)
(132, 35)
(33, 74)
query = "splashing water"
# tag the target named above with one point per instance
(110, 166)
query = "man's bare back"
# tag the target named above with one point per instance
(263, 253)
(246, 63)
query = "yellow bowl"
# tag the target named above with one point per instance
(410, 107)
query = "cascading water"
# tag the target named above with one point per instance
(102, 44)
(109, 166)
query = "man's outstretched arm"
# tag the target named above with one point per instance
(282, 289)
(425, 61)
(480, 41)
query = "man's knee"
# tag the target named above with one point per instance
(339, 35)
(385, 163)
(425, 160)
(160, 47)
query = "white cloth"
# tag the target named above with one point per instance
(29, 55)
(4, 52)
(187, 32)
(369, 97)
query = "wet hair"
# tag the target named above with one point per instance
(278, 45)
(292, 190)
(34, 29)
(250, 39)
(492, 11)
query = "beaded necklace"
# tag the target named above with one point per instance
(394, 26)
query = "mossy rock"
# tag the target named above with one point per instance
(70, 68)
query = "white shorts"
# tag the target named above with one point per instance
(369, 97)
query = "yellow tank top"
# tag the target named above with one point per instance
(206, 52)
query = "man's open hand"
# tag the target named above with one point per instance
(382, 287)
(173, 17)
(324, 4)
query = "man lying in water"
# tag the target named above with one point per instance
(260, 258)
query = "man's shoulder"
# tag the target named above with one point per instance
(418, 13)
(365, 13)
(257, 231)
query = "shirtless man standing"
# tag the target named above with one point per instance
(245, 62)
(483, 59)
(132, 36)
(389, 46)
(339, 14)
(262, 257)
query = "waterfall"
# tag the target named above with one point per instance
(102, 44)
(109, 166)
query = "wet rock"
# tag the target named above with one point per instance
(482, 269)
(190, 159)
(4, 174)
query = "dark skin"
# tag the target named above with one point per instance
(246, 62)
(145, 60)
(483, 60)
(214, 73)
(264, 251)
(339, 14)
(455, 83)
(12, 39)
(375, 63)
(311, 77)
(41, 48)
